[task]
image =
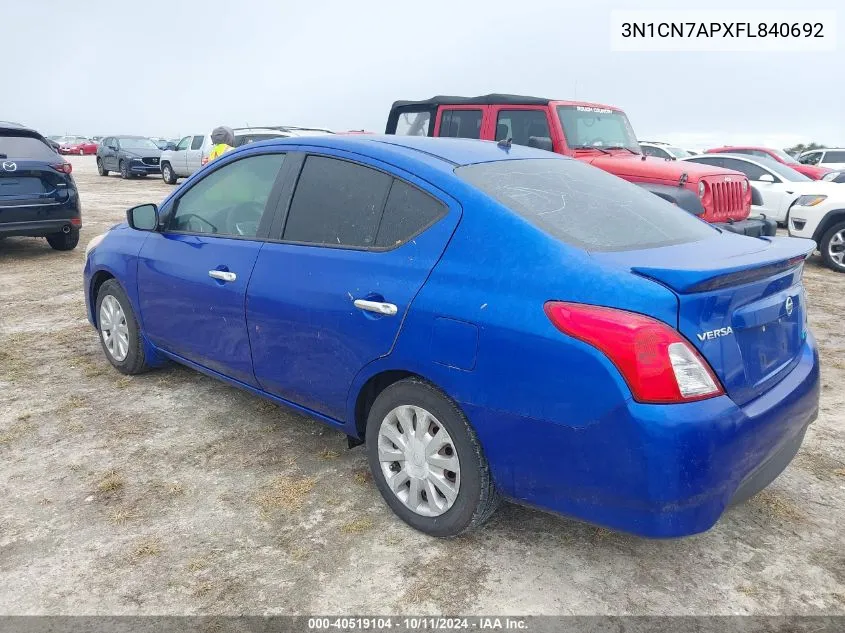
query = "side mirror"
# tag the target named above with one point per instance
(766, 178)
(144, 217)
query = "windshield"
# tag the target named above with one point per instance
(678, 152)
(785, 157)
(587, 126)
(583, 205)
(136, 143)
(785, 172)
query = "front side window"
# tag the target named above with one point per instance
(197, 142)
(521, 125)
(230, 201)
(584, 206)
(336, 203)
(588, 127)
(183, 144)
(460, 123)
(648, 150)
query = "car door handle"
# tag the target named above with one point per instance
(222, 275)
(379, 307)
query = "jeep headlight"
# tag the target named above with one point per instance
(744, 185)
(93, 244)
(809, 201)
(700, 188)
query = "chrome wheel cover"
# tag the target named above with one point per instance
(419, 460)
(836, 247)
(113, 328)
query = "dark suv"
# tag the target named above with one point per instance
(38, 197)
(129, 156)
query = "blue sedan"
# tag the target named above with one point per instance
(491, 321)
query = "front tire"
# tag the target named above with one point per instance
(167, 174)
(427, 462)
(832, 247)
(100, 169)
(64, 241)
(124, 170)
(120, 336)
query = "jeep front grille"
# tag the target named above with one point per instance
(726, 199)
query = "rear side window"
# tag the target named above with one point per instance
(336, 203)
(197, 142)
(749, 169)
(521, 125)
(407, 213)
(583, 205)
(834, 157)
(410, 123)
(460, 124)
(16, 146)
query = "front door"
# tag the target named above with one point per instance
(356, 247)
(193, 275)
(179, 157)
(193, 157)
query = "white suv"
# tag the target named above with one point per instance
(822, 218)
(192, 152)
(832, 158)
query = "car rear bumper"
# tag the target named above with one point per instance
(657, 471)
(40, 228)
(752, 227)
(39, 220)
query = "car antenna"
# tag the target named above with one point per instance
(505, 143)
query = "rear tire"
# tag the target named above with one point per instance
(423, 479)
(167, 174)
(120, 336)
(100, 169)
(124, 170)
(832, 247)
(64, 241)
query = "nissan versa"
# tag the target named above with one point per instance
(493, 321)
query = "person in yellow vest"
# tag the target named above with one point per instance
(224, 139)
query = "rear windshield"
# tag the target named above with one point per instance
(583, 205)
(15, 146)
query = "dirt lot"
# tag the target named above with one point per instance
(173, 493)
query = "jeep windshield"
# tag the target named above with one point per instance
(588, 127)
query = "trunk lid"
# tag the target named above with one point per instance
(743, 307)
(33, 184)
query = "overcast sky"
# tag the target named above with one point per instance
(176, 67)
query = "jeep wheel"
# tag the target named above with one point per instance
(832, 247)
(100, 169)
(64, 241)
(167, 174)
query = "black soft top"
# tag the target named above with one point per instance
(491, 99)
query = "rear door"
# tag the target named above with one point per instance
(30, 187)
(193, 155)
(192, 277)
(354, 247)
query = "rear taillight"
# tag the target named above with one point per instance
(659, 365)
(63, 167)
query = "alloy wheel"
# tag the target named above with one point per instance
(836, 247)
(113, 328)
(419, 461)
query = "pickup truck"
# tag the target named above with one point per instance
(594, 133)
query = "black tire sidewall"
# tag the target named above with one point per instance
(167, 174)
(134, 361)
(463, 512)
(824, 247)
(124, 169)
(101, 168)
(64, 241)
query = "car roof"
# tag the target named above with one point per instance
(10, 126)
(490, 99)
(445, 153)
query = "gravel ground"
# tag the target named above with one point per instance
(173, 493)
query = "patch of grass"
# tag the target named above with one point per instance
(122, 516)
(45, 501)
(75, 467)
(203, 588)
(123, 382)
(839, 472)
(363, 477)
(749, 590)
(15, 432)
(299, 554)
(776, 507)
(147, 548)
(357, 526)
(23, 417)
(329, 454)
(285, 492)
(175, 488)
(392, 539)
(74, 402)
(110, 481)
(197, 564)
(73, 427)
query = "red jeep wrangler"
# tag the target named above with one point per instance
(598, 134)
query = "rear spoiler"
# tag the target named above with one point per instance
(782, 254)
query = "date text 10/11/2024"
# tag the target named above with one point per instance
(417, 624)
